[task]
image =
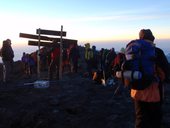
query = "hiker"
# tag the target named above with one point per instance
(110, 56)
(163, 62)
(102, 59)
(55, 62)
(43, 59)
(74, 56)
(31, 64)
(66, 64)
(118, 61)
(24, 60)
(7, 58)
(116, 65)
(34, 56)
(145, 91)
(88, 59)
(95, 59)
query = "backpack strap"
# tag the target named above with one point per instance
(132, 75)
(122, 76)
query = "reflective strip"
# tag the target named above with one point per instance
(129, 57)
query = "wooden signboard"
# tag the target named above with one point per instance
(31, 36)
(46, 44)
(50, 32)
(66, 43)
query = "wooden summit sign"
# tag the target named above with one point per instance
(66, 42)
(50, 41)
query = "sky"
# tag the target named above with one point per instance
(104, 23)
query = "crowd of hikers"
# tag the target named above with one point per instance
(50, 60)
(104, 60)
(141, 66)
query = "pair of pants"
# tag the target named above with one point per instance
(7, 70)
(148, 115)
(74, 65)
(54, 68)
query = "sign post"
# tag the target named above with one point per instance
(61, 54)
(38, 56)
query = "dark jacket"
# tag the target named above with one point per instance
(162, 62)
(74, 54)
(7, 53)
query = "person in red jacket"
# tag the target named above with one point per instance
(55, 62)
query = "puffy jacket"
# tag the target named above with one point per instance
(55, 53)
(7, 53)
(151, 93)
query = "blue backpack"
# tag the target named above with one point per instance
(140, 56)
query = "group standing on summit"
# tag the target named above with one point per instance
(143, 67)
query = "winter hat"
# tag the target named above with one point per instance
(122, 50)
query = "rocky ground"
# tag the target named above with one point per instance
(73, 102)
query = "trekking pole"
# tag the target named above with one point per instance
(116, 90)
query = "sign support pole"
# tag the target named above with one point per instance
(38, 55)
(61, 55)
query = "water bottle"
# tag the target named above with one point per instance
(128, 75)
